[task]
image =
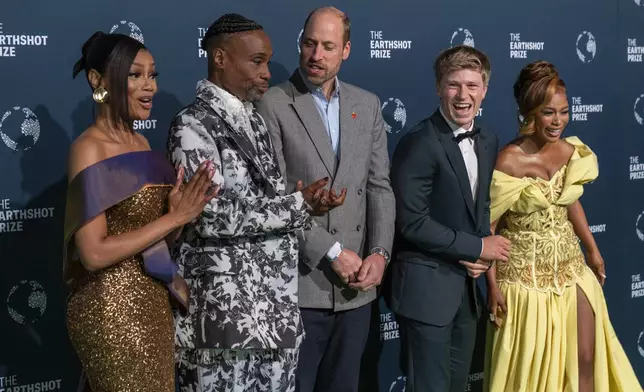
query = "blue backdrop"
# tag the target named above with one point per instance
(597, 45)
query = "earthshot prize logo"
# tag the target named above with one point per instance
(638, 109)
(635, 168)
(26, 302)
(640, 344)
(19, 128)
(382, 48)
(299, 41)
(634, 52)
(586, 46)
(10, 42)
(399, 384)
(128, 28)
(519, 49)
(461, 36)
(640, 233)
(394, 114)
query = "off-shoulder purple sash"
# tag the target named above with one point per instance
(107, 183)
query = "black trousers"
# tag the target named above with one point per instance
(438, 359)
(330, 355)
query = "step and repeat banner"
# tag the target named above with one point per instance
(597, 45)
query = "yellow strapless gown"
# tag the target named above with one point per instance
(536, 347)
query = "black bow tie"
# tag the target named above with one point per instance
(464, 135)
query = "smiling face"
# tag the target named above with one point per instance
(461, 93)
(141, 85)
(551, 120)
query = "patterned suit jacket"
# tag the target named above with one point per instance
(240, 256)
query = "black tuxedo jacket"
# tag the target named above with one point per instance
(438, 222)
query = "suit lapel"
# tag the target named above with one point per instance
(455, 157)
(481, 149)
(348, 133)
(266, 155)
(248, 151)
(304, 106)
(213, 101)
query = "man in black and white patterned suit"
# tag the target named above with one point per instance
(239, 258)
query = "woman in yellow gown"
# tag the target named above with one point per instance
(549, 330)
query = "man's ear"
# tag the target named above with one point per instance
(218, 58)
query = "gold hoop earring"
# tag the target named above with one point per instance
(100, 95)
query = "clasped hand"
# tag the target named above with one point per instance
(359, 274)
(495, 248)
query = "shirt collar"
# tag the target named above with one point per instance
(456, 129)
(229, 101)
(316, 89)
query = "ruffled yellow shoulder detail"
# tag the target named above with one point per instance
(522, 195)
(582, 169)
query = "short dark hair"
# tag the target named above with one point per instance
(111, 55)
(346, 22)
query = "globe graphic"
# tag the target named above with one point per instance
(299, 40)
(462, 37)
(638, 109)
(26, 302)
(639, 226)
(128, 28)
(640, 344)
(394, 114)
(19, 129)
(586, 47)
(398, 385)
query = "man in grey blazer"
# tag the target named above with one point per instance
(323, 127)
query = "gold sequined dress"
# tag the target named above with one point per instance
(119, 319)
(536, 347)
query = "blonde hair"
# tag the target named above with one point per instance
(462, 57)
(535, 86)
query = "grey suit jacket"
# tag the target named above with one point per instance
(367, 217)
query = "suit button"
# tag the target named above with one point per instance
(333, 231)
(360, 191)
(359, 228)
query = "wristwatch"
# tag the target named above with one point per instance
(382, 252)
(334, 252)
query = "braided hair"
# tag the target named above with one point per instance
(226, 25)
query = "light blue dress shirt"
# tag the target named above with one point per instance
(329, 111)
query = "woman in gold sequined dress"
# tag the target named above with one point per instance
(550, 329)
(123, 202)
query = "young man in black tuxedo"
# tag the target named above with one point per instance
(441, 173)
